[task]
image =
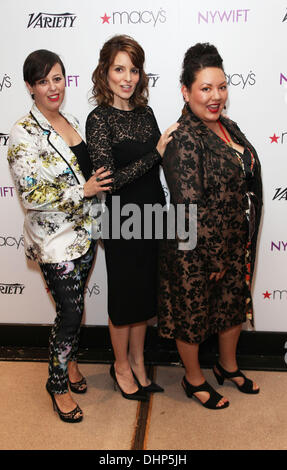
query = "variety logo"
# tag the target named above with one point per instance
(4, 139)
(51, 20)
(7, 191)
(223, 16)
(12, 241)
(280, 194)
(11, 289)
(279, 246)
(72, 80)
(135, 17)
(285, 18)
(275, 295)
(5, 82)
(152, 79)
(239, 79)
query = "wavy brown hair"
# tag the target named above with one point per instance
(101, 92)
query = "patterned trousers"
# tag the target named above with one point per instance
(66, 282)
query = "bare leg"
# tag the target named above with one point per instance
(136, 352)
(193, 374)
(66, 403)
(228, 341)
(74, 373)
(120, 341)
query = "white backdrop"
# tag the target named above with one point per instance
(251, 37)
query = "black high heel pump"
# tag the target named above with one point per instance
(71, 416)
(246, 387)
(151, 388)
(139, 395)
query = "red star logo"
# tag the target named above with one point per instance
(266, 295)
(274, 138)
(105, 19)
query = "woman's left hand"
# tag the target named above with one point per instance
(166, 138)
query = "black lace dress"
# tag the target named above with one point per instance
(125, 142)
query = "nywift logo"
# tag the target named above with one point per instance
(51, 20)
(7, 191)
(223, 16)
(279, 245)
(72, 81)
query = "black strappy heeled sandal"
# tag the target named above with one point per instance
(246, 387)
(71, 416)
(214, 397)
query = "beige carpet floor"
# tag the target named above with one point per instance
(172, 421)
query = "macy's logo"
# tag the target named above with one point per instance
(275, 295)
(135, 17)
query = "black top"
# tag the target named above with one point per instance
(83, 159)
(110, 130)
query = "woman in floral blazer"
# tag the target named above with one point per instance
(53, 175)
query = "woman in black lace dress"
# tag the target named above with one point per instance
(122, 135)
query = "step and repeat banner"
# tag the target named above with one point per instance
(251, 37)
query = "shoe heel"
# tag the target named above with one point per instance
(219, 378)
(138, 395)
(185, 387)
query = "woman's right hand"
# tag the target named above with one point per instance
(166, 138)
(98, 182)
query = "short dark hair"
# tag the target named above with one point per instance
(38, 64)
(196, 58)
(101, 90)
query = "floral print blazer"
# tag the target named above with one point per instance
(59, 220)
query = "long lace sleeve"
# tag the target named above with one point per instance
(186, 177)
(99, 136)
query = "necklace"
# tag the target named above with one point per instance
(226, 139)
(238, 154)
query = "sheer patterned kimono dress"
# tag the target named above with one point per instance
(200, 168)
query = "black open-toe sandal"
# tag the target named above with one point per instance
(246, 387)
(214, 397)
(74, 416)
(79, 387)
